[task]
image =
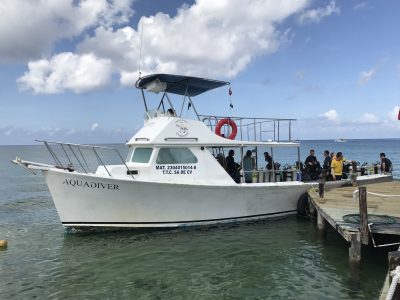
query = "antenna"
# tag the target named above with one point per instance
(140, 51)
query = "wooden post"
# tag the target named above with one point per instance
(321, 224)
(362, 200)
(355, 249)
(323, 176)
(354, 173)
(312, 208)
(321, 188)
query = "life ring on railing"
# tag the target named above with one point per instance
(228, 122)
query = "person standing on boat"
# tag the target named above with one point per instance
(311, 164)
(386, 164)
(232, 166)
(268, 159)
(249, 164)
(327, 164)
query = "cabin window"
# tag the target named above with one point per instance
(142, 155)
(176, 156)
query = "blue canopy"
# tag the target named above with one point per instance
(180, 85)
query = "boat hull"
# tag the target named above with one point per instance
(84, 200)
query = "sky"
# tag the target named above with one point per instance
(68, 67)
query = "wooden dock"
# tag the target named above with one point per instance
(370, 199)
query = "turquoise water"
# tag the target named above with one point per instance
(280, 259)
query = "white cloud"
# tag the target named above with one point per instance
(29, 29)
(361, 6)
(316, 15)
(70, 131)
(209, 38)
(331, 115)
(367, 125)
(205, 39)
(94, 126)
(16, 135)
(366, 76)
(368, 118)
(66, 71)
(300, 75)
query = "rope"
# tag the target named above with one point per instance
(383, 195)
(372, 218)
(371, 193)
(396, 277)
(314, 187)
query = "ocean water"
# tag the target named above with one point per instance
(276, 259)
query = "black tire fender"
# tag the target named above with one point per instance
(302, 204)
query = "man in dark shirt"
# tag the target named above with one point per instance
(311, 165)
(327, 163)
(268, 159)
(386, 164)
(232, 167)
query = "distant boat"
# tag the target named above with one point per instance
(340, 141)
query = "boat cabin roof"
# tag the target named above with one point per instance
(178, 84)
(173, 131)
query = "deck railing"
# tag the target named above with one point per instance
(83, 158)
(255, 129)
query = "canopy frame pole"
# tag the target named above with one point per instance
(169, 102)
(298, 159)
(144, 101)
(273, 165)
(194, 108)
(184, 99)
(241, 164)
(162, 103)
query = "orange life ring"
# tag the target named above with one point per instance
(229, 122)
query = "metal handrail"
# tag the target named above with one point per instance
(79, 147)
(251, 127)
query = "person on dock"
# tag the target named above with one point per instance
(312, 165)
(337, 166)
(327, 164)
(249, 164)
(232, 166)
(386, 164)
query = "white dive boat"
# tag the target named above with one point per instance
(171, 176)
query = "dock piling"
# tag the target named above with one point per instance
(321, 189)
(324, 175)
(354, 173)
(362, 200)
(355, 248)
(321, 225)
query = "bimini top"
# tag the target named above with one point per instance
(178, 84)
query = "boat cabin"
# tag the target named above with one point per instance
(170, 148)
